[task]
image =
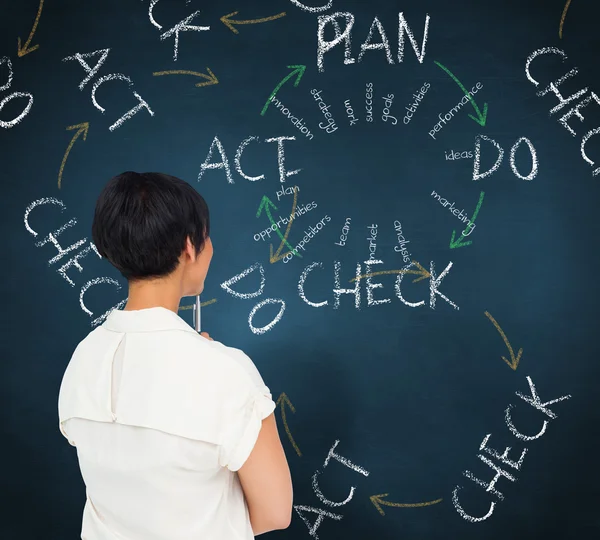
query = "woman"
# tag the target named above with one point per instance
(175, 432)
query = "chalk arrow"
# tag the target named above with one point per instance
(481, 117)
(514, 360)
(460, 243)
(296, 70)
(82, 129)
(267, 204)
(229, 23)
(419, 272)
(22, 51)
(278, 256)
(283, 400)
(378, 502)
(210, 78)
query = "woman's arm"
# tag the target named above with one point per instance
(266, 481)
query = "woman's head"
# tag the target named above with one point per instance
(152, 225)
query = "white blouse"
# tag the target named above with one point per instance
(161, 418)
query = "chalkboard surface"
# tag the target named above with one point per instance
(404, 213)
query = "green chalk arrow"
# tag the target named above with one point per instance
(481, 118)
(459, 243)
(267, 204)
(296, 70)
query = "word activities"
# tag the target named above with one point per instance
(350, 112)
(91, 73)
(302, 510)
(575, 109)
(450, 114)
(296, 122)
(7, 124)
(502, 458)
(369, 101)
(458, 155)
(400, 248)
(373, 42)
(372, 241)
(330, 125)
(338, 291)
(344, 235)
(226, 167)
(386, 109)
(455, 211)
(513, 152)
(182, 26)
(75, 256)
(308, 236)
(413, 106)
(300, 210)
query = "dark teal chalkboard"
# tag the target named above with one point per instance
(457, 346)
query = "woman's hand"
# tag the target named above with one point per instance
(205, 334)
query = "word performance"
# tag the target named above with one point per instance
(502, 458)
(562, 101)
(450, 114)
(330, 125)
(344, 235)
(413, 106)
(371, 43)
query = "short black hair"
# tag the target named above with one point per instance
(142, 220)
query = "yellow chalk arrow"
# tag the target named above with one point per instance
(282, 401)
(278, 256)
(22, 51)
(514, 361)
(562, 19)
(420, 272)
(192, 306)
(378, 501)
(229, 23)
(210, 78)
(82, 129)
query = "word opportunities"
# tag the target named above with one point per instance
(450, 114)
(455, 211)
(75, 256)
(458, 155)
(345, 36)
(287, 191)
(321, 514)
(225, 166)
(350, 113)
(344, 235)
(308, 235)
(300, 210)
(91, 73)
(182, 26)
(502, 458)
(513, 152)
(338, 291)
(7, 124)
(330, 125)
(401, 242)
(369, 101)
(372, 241)
(575, 109)
(386, 109)
(297, 122)
(413, 106)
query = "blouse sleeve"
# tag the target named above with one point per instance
(252, 403)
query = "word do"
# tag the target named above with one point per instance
(513, 151)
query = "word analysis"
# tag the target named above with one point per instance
(400, 248)
(503, 458)
(373, 42)
(455, 211)
(575, 109)
(450, 114)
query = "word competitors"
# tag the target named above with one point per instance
(502, 459)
